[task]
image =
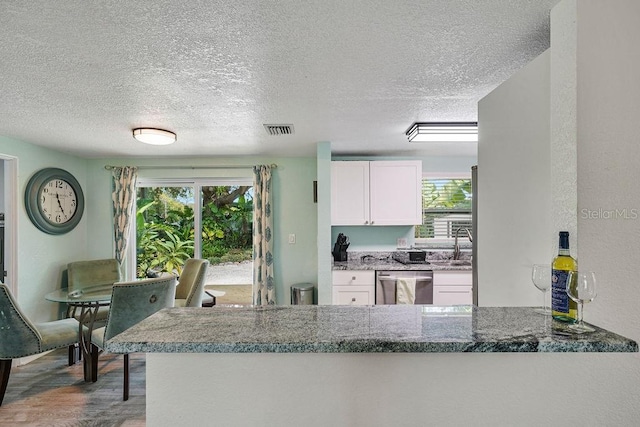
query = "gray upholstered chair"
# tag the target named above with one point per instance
(93, 273)
(88, 274)
(190, 290)
(19, 337)
(131, 302)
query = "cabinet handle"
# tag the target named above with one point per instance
(353, 278)
(353, 300)
(366, 222)
(371, 222)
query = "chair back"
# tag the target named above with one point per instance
(99, 272)
(18, 336)
(191, 283)
(132, 302)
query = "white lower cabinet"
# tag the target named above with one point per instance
(452, 288)
(353, 287)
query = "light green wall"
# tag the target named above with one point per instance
(42, 257)
(294, 209)
(374, 238)
(323, 155)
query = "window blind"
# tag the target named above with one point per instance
(446, 206)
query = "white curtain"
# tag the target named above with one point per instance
(123, 193)
(263, 285)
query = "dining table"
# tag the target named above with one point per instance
(88, 301)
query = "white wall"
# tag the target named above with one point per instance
(514, 201)
(594, 96)
(390, 389)
(608, 149)
(564, 134)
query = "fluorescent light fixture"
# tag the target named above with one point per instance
(443, 132)
(154, 136)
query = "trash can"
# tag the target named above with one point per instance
(302, 294)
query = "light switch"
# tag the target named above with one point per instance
(292, 239)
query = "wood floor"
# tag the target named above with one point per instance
(47, 392)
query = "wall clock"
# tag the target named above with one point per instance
(54, 201)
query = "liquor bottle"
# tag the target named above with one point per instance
(563, 308)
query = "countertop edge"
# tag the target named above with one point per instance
(361, 329)
(391, 347)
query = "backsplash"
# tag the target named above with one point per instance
(433, 255)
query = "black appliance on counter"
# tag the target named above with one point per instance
(410, 256)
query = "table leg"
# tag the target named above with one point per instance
(87, 317)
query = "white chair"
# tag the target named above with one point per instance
(190, 289)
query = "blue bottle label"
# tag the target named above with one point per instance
(559, 298)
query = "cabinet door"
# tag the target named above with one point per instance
(452, 295)
(395, 192)
(352, 295)
(454, 278)
(354, 277)
(349, 193)
(452, 288)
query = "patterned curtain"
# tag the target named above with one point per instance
(124, 190)
(263, 286)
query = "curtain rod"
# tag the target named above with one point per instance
(273, 165)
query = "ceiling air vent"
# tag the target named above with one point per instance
(279, 129)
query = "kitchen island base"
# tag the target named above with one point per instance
(389, 389)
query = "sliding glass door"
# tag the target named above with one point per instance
(180, 219)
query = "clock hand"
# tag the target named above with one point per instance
(59, 204)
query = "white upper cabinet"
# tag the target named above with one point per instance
(376, 193)
(349, 193)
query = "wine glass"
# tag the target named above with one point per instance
(541, 277)
(581, 287)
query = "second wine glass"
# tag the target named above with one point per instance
(581, 287)
(541, 277)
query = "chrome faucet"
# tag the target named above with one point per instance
(456, 248)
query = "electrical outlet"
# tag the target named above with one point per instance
(292, 239)
(402, 242)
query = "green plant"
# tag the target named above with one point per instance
(165, 226)
(160, 247)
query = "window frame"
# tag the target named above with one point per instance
(427, 241)
(197, 184)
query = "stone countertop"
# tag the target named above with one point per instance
(380, 260)
(358, 329)
(390, 264)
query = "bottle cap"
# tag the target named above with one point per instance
(564, 240)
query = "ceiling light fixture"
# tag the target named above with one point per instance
(443, 132)
(154, 136)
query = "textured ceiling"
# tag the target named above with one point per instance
(78, 75)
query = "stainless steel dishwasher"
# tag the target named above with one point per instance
(386, 282)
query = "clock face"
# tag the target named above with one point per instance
(54, 201)
(58, 201)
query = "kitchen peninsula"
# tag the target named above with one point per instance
(368, 365)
